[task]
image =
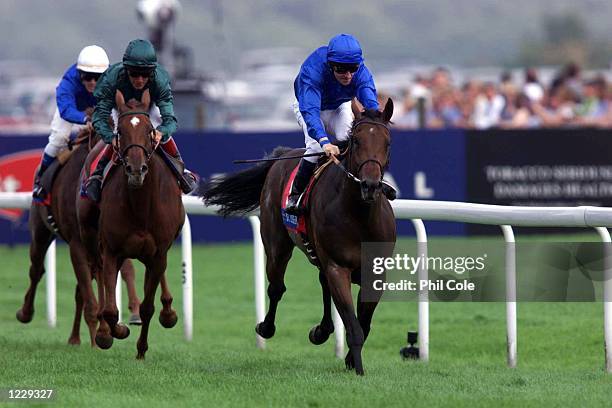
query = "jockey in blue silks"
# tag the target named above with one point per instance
(75, 105)
(327, 82)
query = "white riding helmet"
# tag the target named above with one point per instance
(92, 59)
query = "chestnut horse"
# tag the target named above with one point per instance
(63, 210)
(346, 208)
(140, 215)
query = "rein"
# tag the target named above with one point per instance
(117, 147)
(349, 152)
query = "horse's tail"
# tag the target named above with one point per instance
(238, 193)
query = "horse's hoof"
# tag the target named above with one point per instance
(104, 341)
(121, 331)
(140, 356)
(23, 317)
(135, 320)
(318, 336)
(74, 341)
(264, 330)
(168, 320)
(359, 371)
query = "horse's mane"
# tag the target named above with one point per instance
(134, 104)
(371, 114)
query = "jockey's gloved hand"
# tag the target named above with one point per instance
(330, 149)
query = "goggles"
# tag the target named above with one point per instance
(89, 76)
(340, 68)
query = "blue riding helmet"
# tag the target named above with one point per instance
(344, 49)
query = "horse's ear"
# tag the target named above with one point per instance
(356, 108)
(388, 111)
(119, 101)
(146, 99)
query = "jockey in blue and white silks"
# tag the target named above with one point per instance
(327, 82)
(75, 103)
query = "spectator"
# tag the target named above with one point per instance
(488, 107)
(532, 88)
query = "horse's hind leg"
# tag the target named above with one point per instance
(128, 276)
(155, 270)
(320, 333)
(278, 254)
(167, 317)
(339, 280)
(75, 336)
(41, 239)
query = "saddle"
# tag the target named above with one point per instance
(176, 166)
(297, 223)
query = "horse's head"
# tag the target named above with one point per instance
(369, 145)
(135, 143)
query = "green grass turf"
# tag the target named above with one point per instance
(560, 348)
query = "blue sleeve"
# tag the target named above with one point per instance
(309, 100)
(65, 96)
(366, 90)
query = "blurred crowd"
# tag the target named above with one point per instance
(570, 99)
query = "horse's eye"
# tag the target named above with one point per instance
(356, 142)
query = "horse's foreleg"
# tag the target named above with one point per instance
(110, 313)
(339, 280)
(128, 276)
(167, 317)
(41, 239)
(276, 265)
(153, 275)
(89, 305)
(320, 333)
(365, 311)
(103, 339)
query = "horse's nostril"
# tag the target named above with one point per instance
(143, 169)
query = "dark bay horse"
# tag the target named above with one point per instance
(64, 192)
(342, 213)
(140, 214)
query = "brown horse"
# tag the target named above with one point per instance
(140, 215)
(63, 211)
(346, 208)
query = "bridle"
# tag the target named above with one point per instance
(349, 151)
(122, 152)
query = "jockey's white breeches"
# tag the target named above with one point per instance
(336, 122)
(60, 134)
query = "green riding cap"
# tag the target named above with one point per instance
(140, 54)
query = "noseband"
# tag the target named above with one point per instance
(349, 150)
(121, 153)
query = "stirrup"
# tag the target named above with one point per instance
(389, 191)
(293, 204)
(38, 192)
(93, 188)
(188, 182)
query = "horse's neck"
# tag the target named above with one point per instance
(351, 201)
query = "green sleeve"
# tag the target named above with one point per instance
(105, 97)
(165, 103)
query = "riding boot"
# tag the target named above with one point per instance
(302, 178)
(94, 182)
(187, 181)
(38, 192)
(389, 191)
